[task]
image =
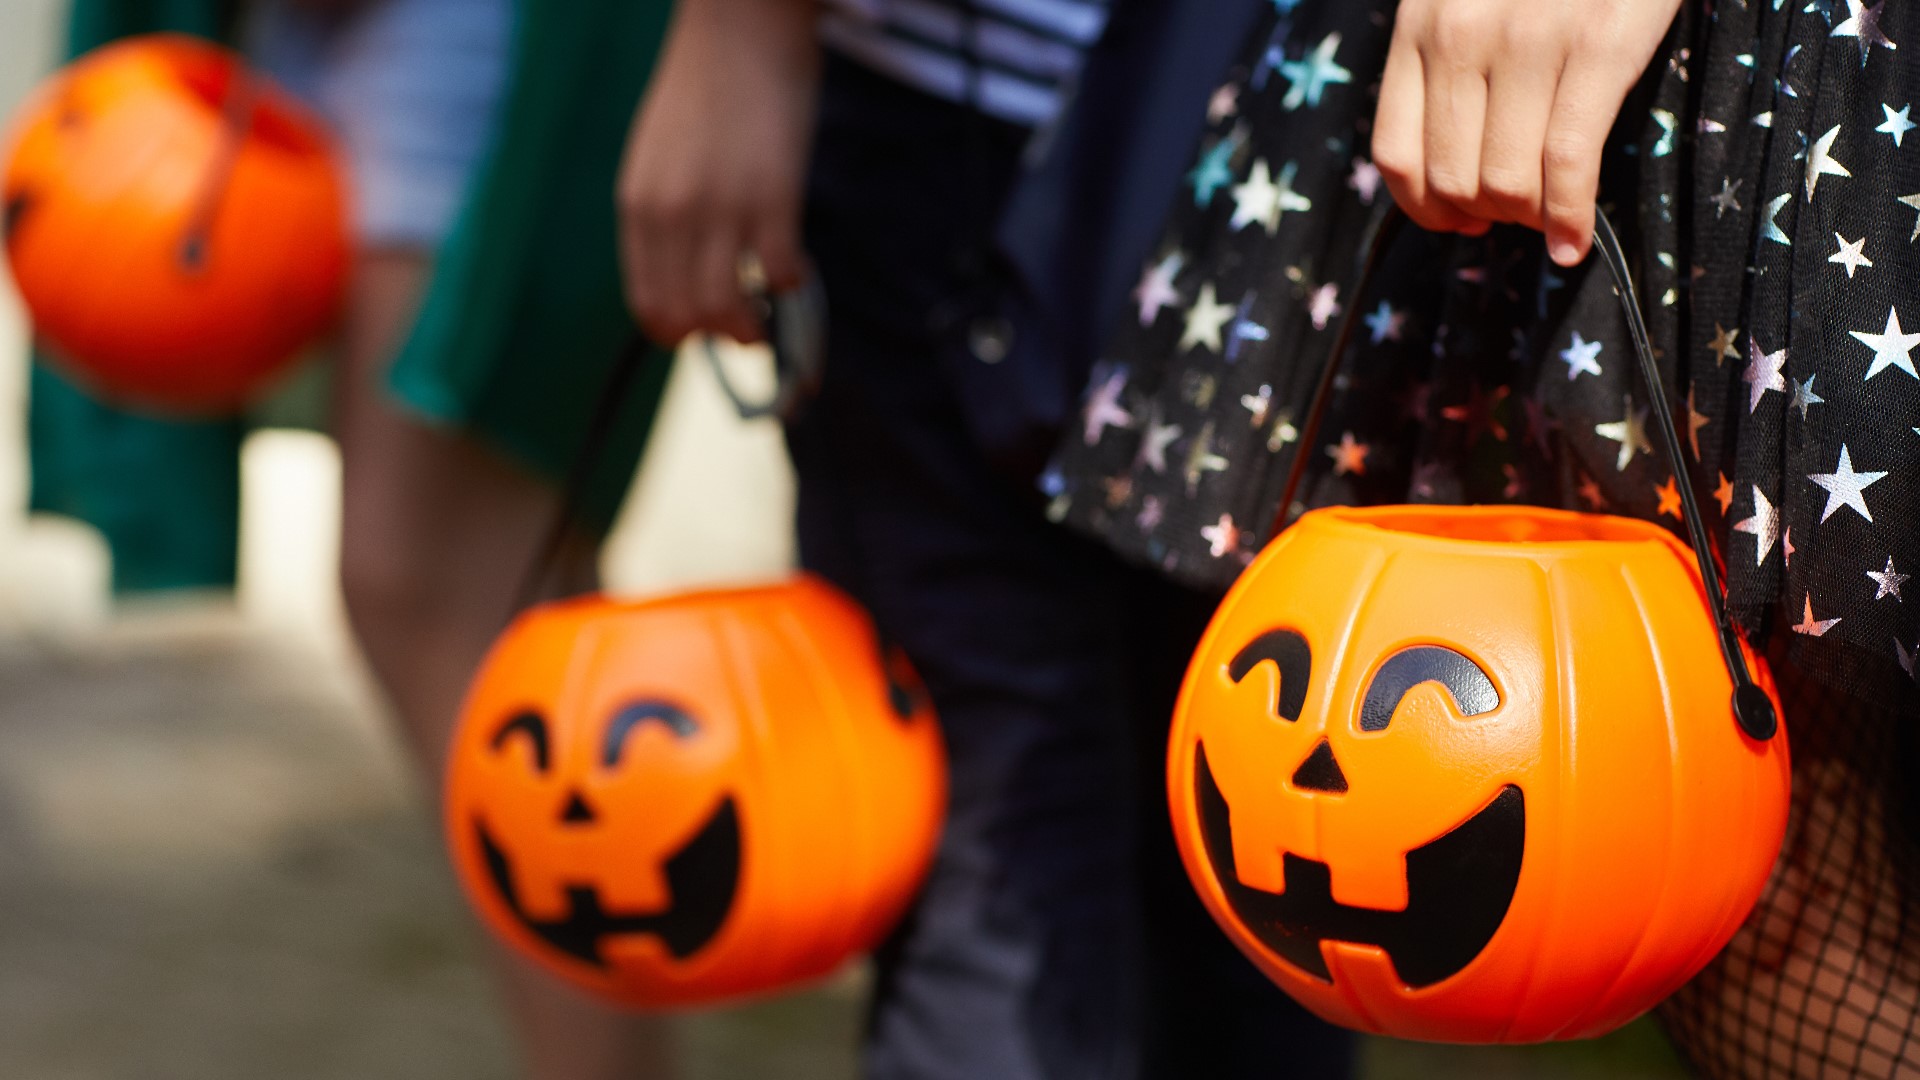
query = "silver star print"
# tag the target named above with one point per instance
(1385, 324)
(1582, 357)
(1728, 199)
(1202, 460)
(1897, 123)
(1912, 201)
(1763, 526)
(1811, 626)
(1804, 397)
(1891, 348)
(1156, 290)
(1864, 24)
(1770, 227)
(1630, 432)
(1763, 373)
(1312, 74)
(1221, 537)
(1261, 200)
(1204, 320)
(1821, 162)
(1258, 405)
(1103, 408)
(1324, 305)
(1154, 442)
(1852, 254)
(1888, 581)
(1845, 487)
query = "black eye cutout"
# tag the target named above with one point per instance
(640, 713)
(1291, 654)
(534, 727)
(1468, 684)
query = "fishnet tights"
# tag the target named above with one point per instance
(1823, 981)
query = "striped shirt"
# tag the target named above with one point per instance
(1011, 59)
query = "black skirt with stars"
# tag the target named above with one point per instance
(1761, 179)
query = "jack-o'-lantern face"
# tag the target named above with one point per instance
(688, 799)
(698, 876)
(1458, 883)
(1471, 774)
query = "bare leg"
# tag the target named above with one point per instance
(438, 532)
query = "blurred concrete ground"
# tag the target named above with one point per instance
(213, 863)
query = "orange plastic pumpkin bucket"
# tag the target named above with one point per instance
(1495, 774)
(685, 800)
(175, 224)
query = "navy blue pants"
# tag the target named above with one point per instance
(1057, 936)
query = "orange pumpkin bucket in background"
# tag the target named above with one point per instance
(1495, 774)
(175, 224)
(691, 799)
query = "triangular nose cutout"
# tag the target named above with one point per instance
(577, 812)
(1320, 772)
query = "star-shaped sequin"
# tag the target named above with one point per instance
(1323, 305)
(1630, 431)
(1222, 536)
(1260, 200)
(1669, 495)
(1365, 180)
(1724, 344)
(1852, 254)
(1770, 224)
(1385, 323)
(1728, 199)
(1912, 202)
(1349, 456)
(1863, 23)
(1154, 442)
(1582, 357)
(1205, 319)
(1763, 526)
(1104, 410)
(1258, 405)
(1821, 162)
(1310, 75)
(1156, 290)
(1763, 374)
(1478, 412)
(1284, 433)
(1224, 102)
(1590, 491)
(1803, 396)
(1214, 170)
(1695, 421)
(1888, 581)
(1897, 123)
(1891, 348)
(1845, 487)
(1201, 459)
(1152, 510)
(1811, 626)
(1244, 328)
(1723, 495)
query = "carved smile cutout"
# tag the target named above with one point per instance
(1459, 886)
(701, 880)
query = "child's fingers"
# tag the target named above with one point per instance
(719, 304)
(1520, 100)
(1399, 140)
(1583, 112)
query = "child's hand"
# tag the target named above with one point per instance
(1497, 110)
(715, 166)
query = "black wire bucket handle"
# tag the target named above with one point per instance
(796, 330)
(1752, 709)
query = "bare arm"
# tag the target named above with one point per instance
(716, 163)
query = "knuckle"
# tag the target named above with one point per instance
(1566, 157)
(1452, 184)
(1507, 186)
(1458, 30)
